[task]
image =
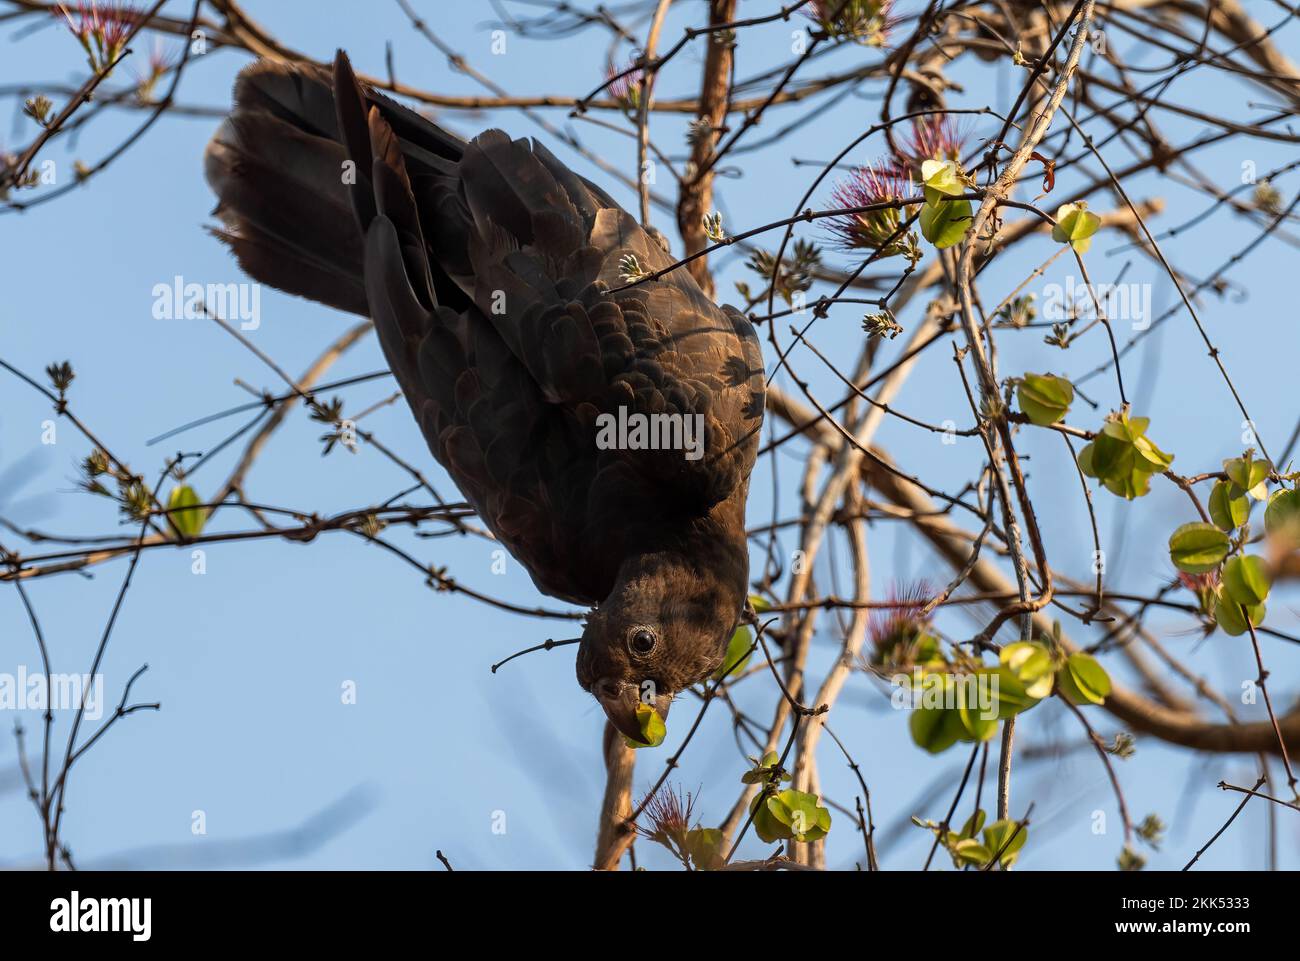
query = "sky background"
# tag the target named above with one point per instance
(249, 659)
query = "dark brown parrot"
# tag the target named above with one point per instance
(497, 282)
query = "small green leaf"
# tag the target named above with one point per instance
(1082, 680)
(973, 824)
(1228, 615)
(652, 727)
(935, 728)
(1282, 516)
(1012, 696)
(1045, 399)
(764, 769)
(1031, 663)
(737, 656)
(926, 650)
(1086, 462)
(1149, 457)
(1075, 225)
(1198, 547)
(1229, 508)
(800, 813)
(766, 825)
(1123, 427)
(970, 851)
(188, 523)
(978, 720)
(1108, 457)
(945, 223)
(941, 178)
(1005, 834)
(1131, 485)
(1249, 474)
(780, 805)
(1246, 580)
(704, 845)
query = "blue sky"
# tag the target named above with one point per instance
(249, 659)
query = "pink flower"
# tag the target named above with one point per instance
(627, 87)
(1204, 586)
(1199, 582)
(866, 21)
(870, 229)
(102, 29)
(669, 815)
(160, 61)
(934, 136)
(898, 630)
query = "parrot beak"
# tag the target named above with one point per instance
(620, 702)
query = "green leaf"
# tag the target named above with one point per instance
(1085, 460)
(1123, 427)
(970, 851)
(1131, 485)
(1045, 399)
(799, 811)
(738, 653)
(926, 650)
(945, 223)
(1246, 580)
(763, 770)
(936, 728)
(1229, 508)
(704, 845)
(1282, 516)
(1108, 457)
(1001, 834)
(979, 721)
(766, 824)
(1082, 680)
(973, 824)
(1249, 474)
(942, 178)
(1149, 457)
(187, 523)
(652, 727)
(1228, 614)
(1031, 663)
(1014, 697)
(1198, 547)
(1075, 225)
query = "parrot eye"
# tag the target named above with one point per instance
(642, 641)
